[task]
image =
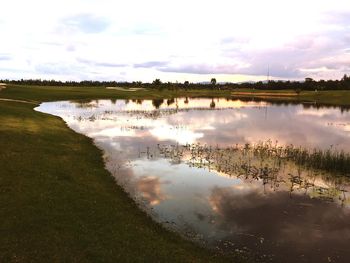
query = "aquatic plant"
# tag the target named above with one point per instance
(330, 160)
(294, 168)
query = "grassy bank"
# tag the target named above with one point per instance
(39, 93)
(43, 93)
(59, 204)
(329, 98)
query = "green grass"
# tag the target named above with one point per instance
(59, 204)
(45, 93)
(329, 98)
(330, 160)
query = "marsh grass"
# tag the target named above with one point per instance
(330, 160)
(275, 166)
(336, 162)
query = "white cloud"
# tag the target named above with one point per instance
(232, 40)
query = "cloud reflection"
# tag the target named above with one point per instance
(130, 133)
(150, 188)
(298, 225)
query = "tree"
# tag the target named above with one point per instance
(186, 84)
(213, 81)
(309, 80)
(345, 77)
(297, 91)
(157, 82)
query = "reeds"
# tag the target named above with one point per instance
(330, 160)
(294, 168)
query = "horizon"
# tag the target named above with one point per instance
(175, 41)
(204, 82)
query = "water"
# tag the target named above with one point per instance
(172, 157)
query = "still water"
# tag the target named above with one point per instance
(186, 163)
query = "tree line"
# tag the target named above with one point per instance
(307, 84)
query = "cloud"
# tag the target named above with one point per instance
(5, 57)
(199, 69)
(155, 43)
(101, 64)
(151, 64)
(86, 23)
(55, 68)
(146, 30)
(295, 59)
(52, 43)
(339, 18)
(257, 68)
(282, 221)
(71, 48)
(150, 188)
(234, 40)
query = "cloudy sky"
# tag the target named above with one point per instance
(174, 40)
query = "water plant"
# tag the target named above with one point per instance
(295, 169)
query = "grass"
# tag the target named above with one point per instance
(45, 93)
(326, 98)
(59, 204)
(329, 160)
(332, 161)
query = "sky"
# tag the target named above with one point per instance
(135, 40)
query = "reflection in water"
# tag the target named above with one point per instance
(150, 188)
(269, 164)
(300, 228)
(176, 157)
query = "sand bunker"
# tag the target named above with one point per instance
(125, 89)
(2, 86)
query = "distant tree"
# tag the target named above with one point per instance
(186, 84)
(309, 80)
(157, 82)
(345, 78)
(213, 81)
(297, 91)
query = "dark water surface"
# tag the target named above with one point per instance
(172, 156)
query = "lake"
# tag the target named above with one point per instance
(217, 171)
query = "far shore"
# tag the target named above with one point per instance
(125, 89)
